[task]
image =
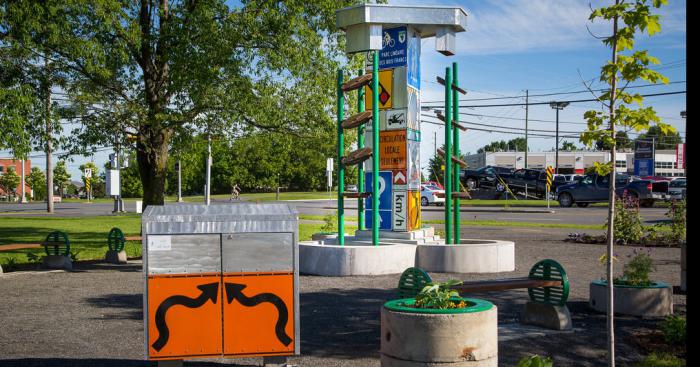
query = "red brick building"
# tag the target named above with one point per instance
(17, 164)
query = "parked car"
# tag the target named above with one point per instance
(591, 189)
(351, 188)
(430, 194)
(648, 191)
(486, 176)
(676, 189)
(434, 183)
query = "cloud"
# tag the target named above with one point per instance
(520, 26)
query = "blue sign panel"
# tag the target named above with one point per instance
(413, 75)
(385, 183)
(384, 219)
(643, 167)
(394, 47)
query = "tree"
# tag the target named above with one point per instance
(435, 167)
(9, 182)
(36, 181)
(626, 66)
(156, 69)
(517, 144)
(622, 141)
(662, 140)
(61, 176)
(568, 146)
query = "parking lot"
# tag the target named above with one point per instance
(93, 315)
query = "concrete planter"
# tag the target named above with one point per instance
(447, 338)
(655, 300)
(469, 256)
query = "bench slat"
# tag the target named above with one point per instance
(504, 284)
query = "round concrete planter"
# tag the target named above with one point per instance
(470, 256)
(655, 300)
(448, 338)
(322, 236)
(331, 260)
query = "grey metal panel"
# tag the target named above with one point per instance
(247, 252)
(426, 19)
(188, 254)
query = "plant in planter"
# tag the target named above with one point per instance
(439, 326)
(635, 293)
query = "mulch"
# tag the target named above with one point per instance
(19, 246)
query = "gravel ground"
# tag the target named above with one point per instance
(93, 316)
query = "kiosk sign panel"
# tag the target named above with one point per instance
(220, 281)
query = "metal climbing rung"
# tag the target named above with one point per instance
(356, 195)
(454, 159)
(357, 156)
(454, 87)
(357, 83)
(461, 195)
(441, 117)
(356, 120)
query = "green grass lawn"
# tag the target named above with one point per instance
(88, 235)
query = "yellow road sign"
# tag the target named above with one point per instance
(386, 81)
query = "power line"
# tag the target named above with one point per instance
(559, 93)
(546, 103)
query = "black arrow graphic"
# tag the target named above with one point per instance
(209, 292)
(235, 291)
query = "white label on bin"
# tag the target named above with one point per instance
(159, 243)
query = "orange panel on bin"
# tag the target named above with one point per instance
(184, 316)
(259, 314)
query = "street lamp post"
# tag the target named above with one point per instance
(557, 106)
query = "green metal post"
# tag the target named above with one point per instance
(455, 138)
(360, 169)
(448, 156)
(375, 148)
(341, 168)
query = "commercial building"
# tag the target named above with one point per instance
(6, 163)
(575, 161)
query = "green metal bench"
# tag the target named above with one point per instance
(546, 283)
(115, 240)
(57, 243)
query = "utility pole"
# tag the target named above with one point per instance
(22, 185)
(179, 181)
(527, 107)
(49, 133)
(207, 199)
(557, 106)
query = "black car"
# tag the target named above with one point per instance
(486, 176)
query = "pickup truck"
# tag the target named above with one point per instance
(647, 191)
(591, 189)
(486, 176)
(532, 181)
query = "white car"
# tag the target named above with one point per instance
(429, 195)
(676, 189)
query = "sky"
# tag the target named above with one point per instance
(543, 46)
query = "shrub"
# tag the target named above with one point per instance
(677, 213)
(439, 295)
(628, 222)
(330, 222)
(535, 361)
(674, 329)
(10, 263)
(661, 360)
(637, 270)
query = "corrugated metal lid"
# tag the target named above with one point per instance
(229, 212)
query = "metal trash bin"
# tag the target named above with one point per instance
(220, 281)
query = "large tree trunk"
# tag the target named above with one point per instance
(152, 156)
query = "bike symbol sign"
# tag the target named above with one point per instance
(394, 46)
